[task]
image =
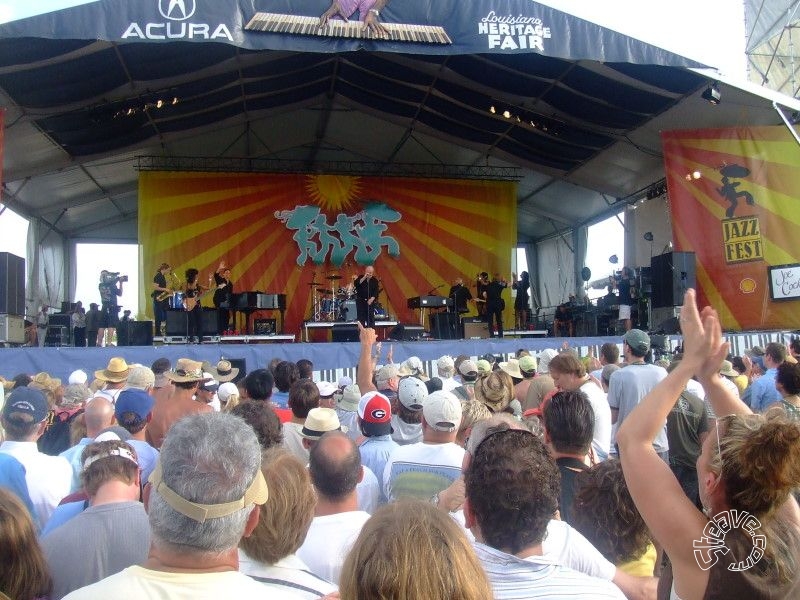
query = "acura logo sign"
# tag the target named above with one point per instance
(176, 10)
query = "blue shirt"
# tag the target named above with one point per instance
(281, 399)
(73, 456)
(64, 513)
(375, 453)
(12, 477)
(762, 392)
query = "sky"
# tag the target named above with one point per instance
(709, 31)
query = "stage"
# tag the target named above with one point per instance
(331, 360)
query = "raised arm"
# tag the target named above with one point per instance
(367, 337)
(672, 518)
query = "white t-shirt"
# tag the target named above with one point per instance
(405, 433)
(293, 441)
(49, 478)
(138, 583)
(566, 546)
(421, 470)
(368, 491)
(328, 541)
(601, 439)
(289, 573)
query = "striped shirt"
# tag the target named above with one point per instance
(535, 577)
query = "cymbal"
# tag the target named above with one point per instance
(324, 291)
(333, 277)
(314, 284)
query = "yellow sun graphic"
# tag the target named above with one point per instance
(333, 192)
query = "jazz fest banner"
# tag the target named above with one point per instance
(308, 235)
(734, 202)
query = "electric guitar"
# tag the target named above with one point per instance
(190, 303)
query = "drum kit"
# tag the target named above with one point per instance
(333, 303)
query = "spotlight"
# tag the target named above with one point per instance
(696, 175)
(507, 114)
(174, 101)
(648, 236)
(712, 94)
(613, 259)
(492, 109)
(159, 103)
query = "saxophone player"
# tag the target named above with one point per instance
(160, 295)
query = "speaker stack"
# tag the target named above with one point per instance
(12, 284)
(672, 273)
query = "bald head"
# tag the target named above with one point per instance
(99, 414)
(335, 465)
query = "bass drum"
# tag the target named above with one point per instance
(380, 312)
(176, 301)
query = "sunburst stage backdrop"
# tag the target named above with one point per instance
(734, 202)
(283, 233)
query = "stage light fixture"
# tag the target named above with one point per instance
(648, 236)
(507, 114)
(613, 259)
(712, 94)
(492, 109)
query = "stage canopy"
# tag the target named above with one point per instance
(505, 89)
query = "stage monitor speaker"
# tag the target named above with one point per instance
(135, 333)
(345, 332)
(12, 284)
(673, 273)
(264, 326)
(177, 323)
(478, 330)
(406, 332)
(445, 326)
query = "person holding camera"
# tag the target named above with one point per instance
(110, 287)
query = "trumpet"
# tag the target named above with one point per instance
(170, 292)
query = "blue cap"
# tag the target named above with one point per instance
(26, 405)
(133, 400)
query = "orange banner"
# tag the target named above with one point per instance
(283, 233)
(733, 196)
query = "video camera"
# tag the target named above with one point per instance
(112, 277)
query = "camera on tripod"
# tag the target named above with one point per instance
(112, 277)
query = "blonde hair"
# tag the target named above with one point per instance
(410, 549)
(472, 411)
(234, 400)
(23, 569)
(285, 519)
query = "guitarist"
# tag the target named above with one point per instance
(481, 285)
(193, 291)
(160, 287)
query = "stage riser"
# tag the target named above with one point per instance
(329, 359)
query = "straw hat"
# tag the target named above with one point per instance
(319, 422)
(116, 371)
(223, 372)
(492, 391)
(512, 368)
(186, 370)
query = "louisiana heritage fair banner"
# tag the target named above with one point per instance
(306, 236)
(734, 201)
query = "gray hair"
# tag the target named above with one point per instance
(210, 458)
(483, 429)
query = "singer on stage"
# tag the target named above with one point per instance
(367, 288)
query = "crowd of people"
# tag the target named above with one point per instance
(545, 475)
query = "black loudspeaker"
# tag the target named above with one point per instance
(135, 333)
(209, 322)
(345, 332)
(264, 326)
(406, 333)
(12, 284)
(177, 323)
(445, 326)
(673, 273)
